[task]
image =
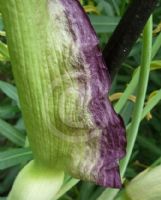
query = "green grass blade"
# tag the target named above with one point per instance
(130, 88)
(9, 90)
(141, 93)
(132, 129)
(147, 144)
(7, 111)
(104, 24)
(156, 46)
(14, 157)
(151, 103)
(116, 7)
(66, 187)
(86, 190)
(4, 50)
(12, 133)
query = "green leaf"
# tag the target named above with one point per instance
(20, 125)
(9, 90)
(14, 157)
(1, 23)
(86, 190)
(8, 180)
(104, 24)
(147, 144)
(11, 133)
(4, 50)
(116, 7)
(105, 7)
(7, 111)
(156, 46)
(146, 185)
(66, 187)
(156, 65)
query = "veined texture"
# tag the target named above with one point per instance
(63, 84)
(102, 152)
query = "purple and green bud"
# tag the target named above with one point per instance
(63, 84)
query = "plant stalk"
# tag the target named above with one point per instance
(127, 32)
(141, 93)
(31, 43)
(132, 130)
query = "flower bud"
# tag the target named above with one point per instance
(63, 83)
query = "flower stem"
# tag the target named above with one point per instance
(141, 93)
(126, 33)
(132, 130)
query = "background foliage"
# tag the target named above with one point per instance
(14, 150)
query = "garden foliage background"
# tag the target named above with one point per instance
(14, 151)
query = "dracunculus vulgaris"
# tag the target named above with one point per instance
(63, 84)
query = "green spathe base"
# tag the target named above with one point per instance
(36, 182)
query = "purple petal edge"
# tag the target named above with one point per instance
(112, 137)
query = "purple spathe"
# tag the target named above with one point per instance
(112, 141)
